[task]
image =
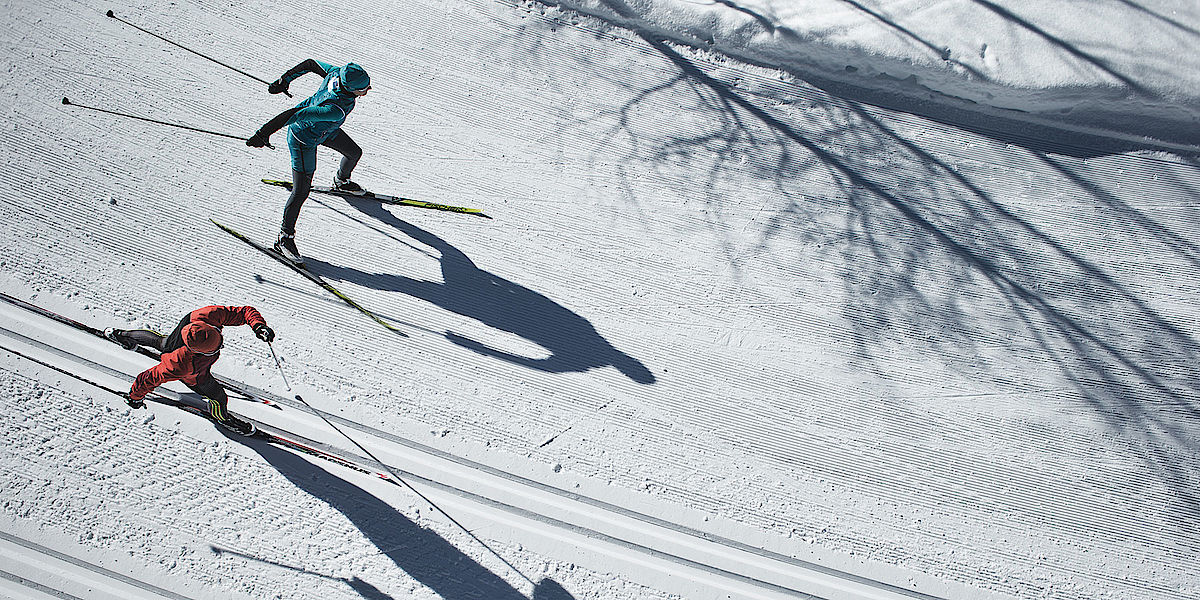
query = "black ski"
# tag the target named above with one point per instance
(397, 200)
(313, 277)
(242, 391)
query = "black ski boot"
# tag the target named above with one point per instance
(286, 247)
(345, 186)
(238, 426)
(118, 336)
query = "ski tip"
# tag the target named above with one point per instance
(278, 182)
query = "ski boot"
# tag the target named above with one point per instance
(286, 247)
(115, 335)
(345, 186)
(238, 426)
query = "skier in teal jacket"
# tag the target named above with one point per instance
(314, 122)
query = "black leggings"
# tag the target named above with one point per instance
(305, 157)
(208, 387)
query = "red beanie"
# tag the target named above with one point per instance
(201, 337)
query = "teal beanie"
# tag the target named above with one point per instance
(354, 78)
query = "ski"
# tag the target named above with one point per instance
(397, 200)
(242, 391)
(311, 276)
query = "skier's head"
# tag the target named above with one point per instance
(354, 79)
(202, 338)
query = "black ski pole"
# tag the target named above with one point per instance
(110, 14)
(68, 102)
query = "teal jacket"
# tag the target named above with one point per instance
(322, 114)
(318, 118)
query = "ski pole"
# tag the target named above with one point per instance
(68, 102)
(110, 14)
(279, 366)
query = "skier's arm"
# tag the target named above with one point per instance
(152, 378)
(229, 316)
(263, 135)
(221, 316)
(311, 65)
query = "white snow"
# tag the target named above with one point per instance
(845, 299)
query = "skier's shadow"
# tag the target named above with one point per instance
(419, 552)
(573, 343)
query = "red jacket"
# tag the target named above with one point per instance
(185, 365)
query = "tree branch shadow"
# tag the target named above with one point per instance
(1041, 125)
(969, 275)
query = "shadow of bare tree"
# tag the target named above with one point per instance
(1039, 128)
(930, 254)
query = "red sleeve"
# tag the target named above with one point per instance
(221, 316)
(169, 369)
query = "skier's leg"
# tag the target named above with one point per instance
(218, 400)
(301, 186)
(218, 406)
(350, 151)
(304, 164)
(132, 338)
(143, 337)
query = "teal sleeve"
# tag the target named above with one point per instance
(311, 65)
(313, 114)
(326, 66)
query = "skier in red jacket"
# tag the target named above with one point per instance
(188, 354)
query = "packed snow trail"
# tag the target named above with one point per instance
(871, 340)
(39, 342)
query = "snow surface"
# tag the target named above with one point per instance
(846, 299)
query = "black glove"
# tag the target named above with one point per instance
(279, 86)
(258, 140)
(264, 333)
(131, 402)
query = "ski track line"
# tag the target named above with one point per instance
(880, 587)
(42, 569)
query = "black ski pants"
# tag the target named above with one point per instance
(304, 166)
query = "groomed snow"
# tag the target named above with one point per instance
(831, 298)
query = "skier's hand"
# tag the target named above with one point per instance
(258, 140)
(264, 333)
(279, 86)
(139, 403)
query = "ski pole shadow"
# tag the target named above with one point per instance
(572, 341)
(422, 554)
(364, 589)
